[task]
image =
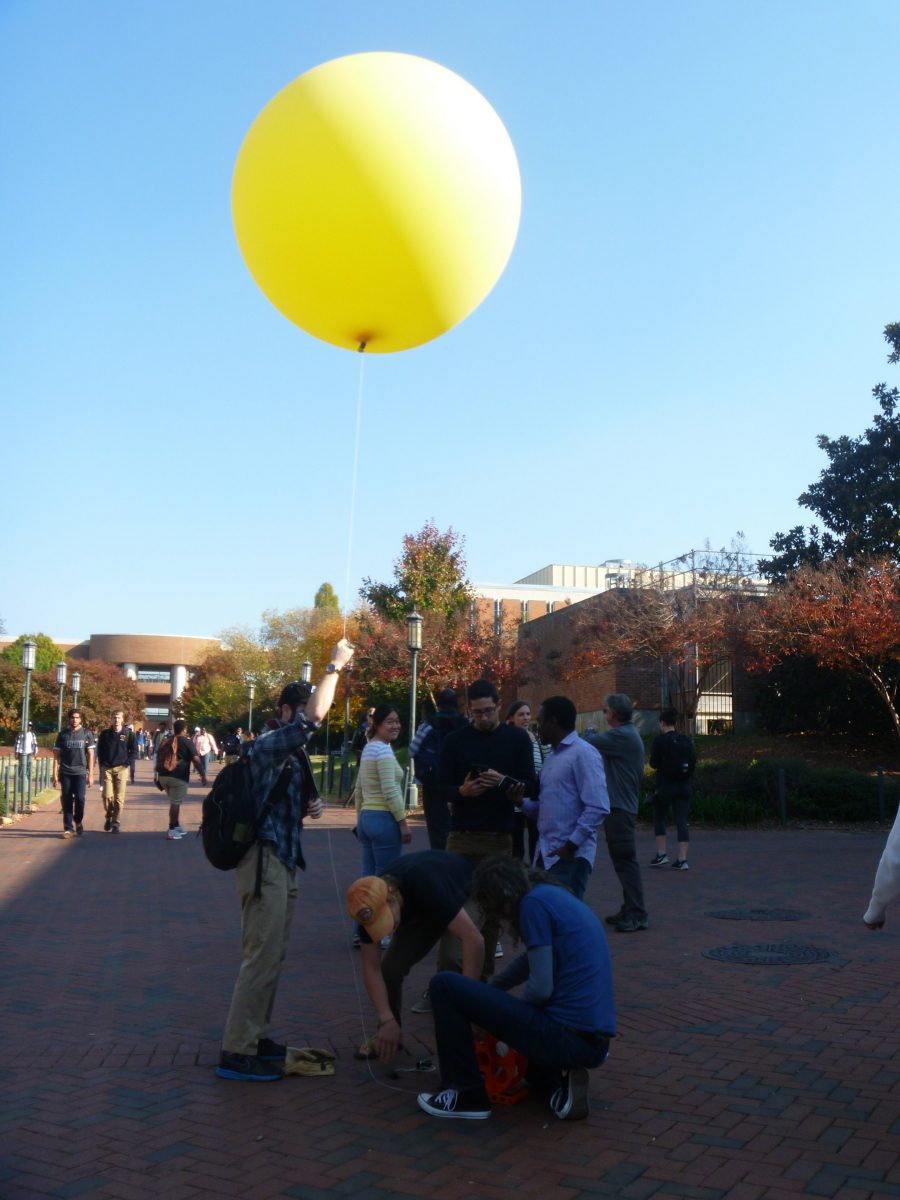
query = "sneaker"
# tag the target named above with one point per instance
(680, 864)
(67, 833)
(631, 924)
(249, 1067)
(463, 1106)
(115, 828)
(107, 825)
(175, 835)
(660, 861)
(423, 1005)
(498, 951)
(181, 832)
(570, 1101)
(79, 828)
(269, 1051)
(614, 918)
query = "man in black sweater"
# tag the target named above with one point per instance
(486, 768)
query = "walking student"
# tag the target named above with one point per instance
(673, 758)
(173, 773)
(73, 771)
(115, 754)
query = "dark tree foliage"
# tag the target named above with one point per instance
(801, 695)
(857, 496)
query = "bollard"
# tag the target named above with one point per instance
(782, 797)
(880, 774)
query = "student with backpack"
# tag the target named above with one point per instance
(672, 757)
(266, 881)
(425, 750)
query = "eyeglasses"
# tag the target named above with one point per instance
(484, 712)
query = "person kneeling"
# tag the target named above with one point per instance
(565, 1016)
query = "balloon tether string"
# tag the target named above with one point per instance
(359, 403)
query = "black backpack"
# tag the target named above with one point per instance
(428, 760)
(230, 820)
(677, 759)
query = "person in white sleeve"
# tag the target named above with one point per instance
(887, 879)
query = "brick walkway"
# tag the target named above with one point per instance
(727, 1080)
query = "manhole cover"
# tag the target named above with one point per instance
(769, 954)
(759, 914)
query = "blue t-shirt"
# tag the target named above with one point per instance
(582, 973)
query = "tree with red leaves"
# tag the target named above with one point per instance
(840, 615)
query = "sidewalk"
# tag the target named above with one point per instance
(727, 1080)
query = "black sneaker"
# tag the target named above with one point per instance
(661, 860)
(570, 1102)
(107, 825)
(461, 1106)
(631, 924)
(247, 1066)
(269, 1051)
(79, 828)
(680, 864)
(423, 1004)
(614, 918)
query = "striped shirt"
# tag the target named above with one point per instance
(379, 784)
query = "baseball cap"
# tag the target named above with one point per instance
(295, 693)
(367, 903)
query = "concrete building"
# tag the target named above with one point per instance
(160, 664)
(552, 587)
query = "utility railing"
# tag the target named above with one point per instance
(19, 785)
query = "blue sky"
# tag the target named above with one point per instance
(706, 261)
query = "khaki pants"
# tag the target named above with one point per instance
(265, 932)
(476, 847)
(115, 780)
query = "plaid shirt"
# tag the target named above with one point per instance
(273, 750)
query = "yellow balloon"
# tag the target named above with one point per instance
(376, 200)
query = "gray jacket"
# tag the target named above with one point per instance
(623, 758)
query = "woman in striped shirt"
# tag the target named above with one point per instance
(381, 813)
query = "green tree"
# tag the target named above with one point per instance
(47, 655)
(856, 495)
(326, 598)
(429, 575)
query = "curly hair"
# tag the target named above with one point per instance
(499, 885)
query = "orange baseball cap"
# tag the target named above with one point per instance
(367, 903)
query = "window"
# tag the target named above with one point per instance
(153, 675)
(157, 713)
(498, 617)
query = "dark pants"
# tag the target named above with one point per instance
(409, 945)
(679, 796)
(437, 816)
(132, 762)
(619, 828)
(574, 873)
(72, 788)
(524, 825)
(458, 1003)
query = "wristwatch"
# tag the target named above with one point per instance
(331, 669)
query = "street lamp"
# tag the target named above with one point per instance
(76, 686)
(61, 680)
(29, 651)
(252, 690)
(414, 642)
(306, 672)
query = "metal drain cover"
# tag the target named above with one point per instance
(769, 954)
(759, 914)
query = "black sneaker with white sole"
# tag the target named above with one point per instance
(570, 1101)
(247, 1067)
(660, 861)
(461, 1106)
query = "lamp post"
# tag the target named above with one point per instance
(29, 651)
(252, 690)
(76, 686)
(306, 671)
(414, 642)
(61, 680)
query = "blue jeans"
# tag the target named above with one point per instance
(574, 873)
(379, 837)
(458, 1003)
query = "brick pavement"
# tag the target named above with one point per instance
(727, 1081)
